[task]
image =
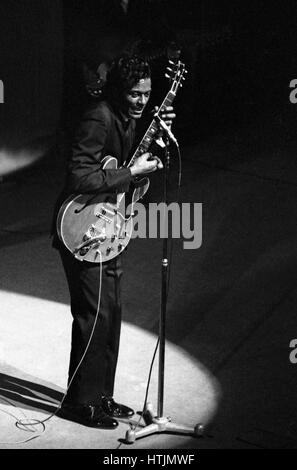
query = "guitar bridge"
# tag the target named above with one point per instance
(100, 215)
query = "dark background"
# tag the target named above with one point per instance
(241, 57)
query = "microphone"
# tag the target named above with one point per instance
(167, 129)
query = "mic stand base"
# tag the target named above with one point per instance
(156, 424)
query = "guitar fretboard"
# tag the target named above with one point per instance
(152, 130)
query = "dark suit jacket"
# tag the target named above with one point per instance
(102, 132)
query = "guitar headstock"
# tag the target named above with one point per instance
(176, 72)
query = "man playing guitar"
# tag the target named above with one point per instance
(107, 128)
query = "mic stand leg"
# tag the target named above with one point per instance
(160, 423)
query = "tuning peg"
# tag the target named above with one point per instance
(167, 76)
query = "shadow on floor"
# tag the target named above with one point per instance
(14, 390)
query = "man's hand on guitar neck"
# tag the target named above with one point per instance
(146, 163)
(164, 118)
(167, 114)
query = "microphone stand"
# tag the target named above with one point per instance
(160, 423)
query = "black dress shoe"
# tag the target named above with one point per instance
(114, 409)
(89, 415)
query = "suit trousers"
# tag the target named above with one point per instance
(96, 374)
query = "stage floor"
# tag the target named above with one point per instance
(231, 306)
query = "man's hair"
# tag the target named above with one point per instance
(124, 74)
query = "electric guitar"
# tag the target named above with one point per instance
(97, 227)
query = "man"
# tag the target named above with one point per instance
(107, 128)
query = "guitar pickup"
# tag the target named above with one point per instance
(100, 215)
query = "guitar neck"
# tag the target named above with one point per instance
(153, 128)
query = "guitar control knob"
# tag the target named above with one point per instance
(109, 249)
(97, 253)
(83, 251)
(102, 237)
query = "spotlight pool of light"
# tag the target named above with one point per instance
(35, 342)
(11, 161)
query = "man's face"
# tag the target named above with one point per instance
(136, 99)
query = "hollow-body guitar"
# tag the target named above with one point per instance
(98, 227)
